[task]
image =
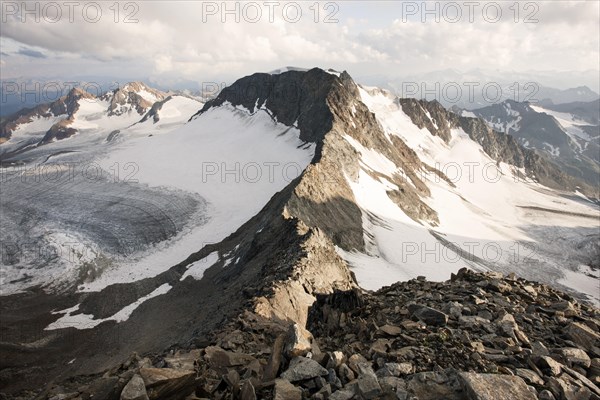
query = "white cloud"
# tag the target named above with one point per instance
(172, 39)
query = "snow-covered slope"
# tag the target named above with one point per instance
(572, 138)
(234, 159)
(80, 112)
(490, 216)
(430, 192)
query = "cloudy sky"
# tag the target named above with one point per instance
(167, 41)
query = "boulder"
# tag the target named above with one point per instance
(135, 389)
(298, 341)
(583, 335)
(354, 361)
(368, 386)
(165, 382)
(284, 390)
(428, 315)
(389, 330)
(395, 369)
(550, 365)
(183, 360)
(530, 376)
(247, 392)
(343, 394)
(302, 368)
(494, 387)
(509, 327)
(575, 356)
(222, 359)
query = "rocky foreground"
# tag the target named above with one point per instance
(476, 337)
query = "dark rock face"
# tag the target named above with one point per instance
(123, 100)
(293, 98)
(586, 111)
(417, 110)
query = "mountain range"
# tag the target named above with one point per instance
(178, 217)
(569, 133)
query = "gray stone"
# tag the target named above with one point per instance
(183, 360)
(302, 368)
(343, 394)
(391, 384)
(539, 349)
(546, 395)
(335, 359)
(247, 392)
(575, 356)
(390, 330)
(509, 327)
(395, 369)
(219, 358)
(493, 387)
(135, 389)
(550, 364)
(428, 315)
(530, 376)
(354, 361)
(346, 374)
(583, 335)
(163, 382)
(368, 386)
(298, 341)
(333, 379)
(284, 390)
(565, 388)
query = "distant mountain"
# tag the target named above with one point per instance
(557, 96)
(584, 111)
(477, 89)
(80, 111)
(568, 133)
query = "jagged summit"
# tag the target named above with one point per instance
(133, 96)
(294, 98)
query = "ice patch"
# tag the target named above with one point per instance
(87, 321)
(196, 270)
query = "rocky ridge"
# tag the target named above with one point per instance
(476, 336)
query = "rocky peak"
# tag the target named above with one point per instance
(294, 98)
(133, 96)
(66, 106)
(69, 104)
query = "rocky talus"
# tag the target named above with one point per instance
(474, 337)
